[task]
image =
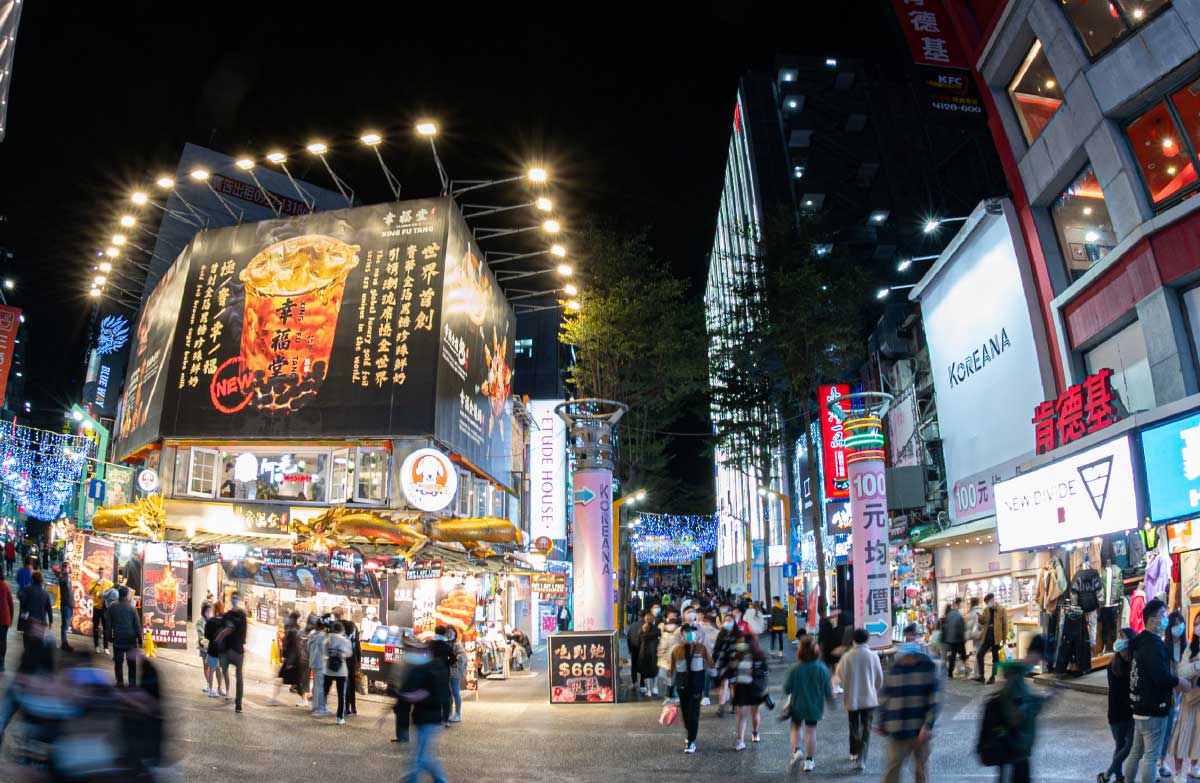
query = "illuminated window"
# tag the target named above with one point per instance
(1101, 24)
(287, 476)
(1081, 219)
(1035, 92)
(1161, 148)
(202, 473)
(523, 348)
(371, 476)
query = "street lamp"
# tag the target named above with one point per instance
(544, 204)
(905, 263)
(573, 305)
(319, 149)
(105, 267)
(280, 160)
(200, 175)
(247, 165)
(882, 293)
(933, 224)
(565, 270)
(164, 182)
(558, 250)
(373, 140)
(570, 290)
(128, 221)
(139, 198)
(551, 226)
(537, 175)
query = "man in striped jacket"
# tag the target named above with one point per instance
(908, 707)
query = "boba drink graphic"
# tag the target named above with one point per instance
(294, 291)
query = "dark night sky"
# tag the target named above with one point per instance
(628, 106)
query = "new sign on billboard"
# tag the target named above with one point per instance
(982, 328)
(1171, 458)
(1090, 493)
(547, 471)
(10, 322)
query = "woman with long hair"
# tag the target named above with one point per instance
(808, 687)
(1185, 739)
(747, 671)
(1176, 640)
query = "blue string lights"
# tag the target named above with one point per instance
(41, 468)
(661, 539)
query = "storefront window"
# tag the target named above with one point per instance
(1081, 219)
(339, 476)
(202, 473)
(1101, 24)
(1125, 354)
(289, 476)
(499, 503)
(1167, 166)
(482, 493)
(371, 474)
(462, 503)
(1035, 92)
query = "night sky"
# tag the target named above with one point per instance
(628, 106)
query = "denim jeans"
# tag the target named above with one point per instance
(1122, 734)
(456, 695)
(318, 691)
(707, 685)
(1147, 744)
(425, 758)
(67, 611)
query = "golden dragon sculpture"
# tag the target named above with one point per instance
(340, 525)
(145, 517)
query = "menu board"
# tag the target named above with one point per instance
(165, 591)
(262, 577)
(285, 578)
(548, 584)
(88, 555)
(345, 561)
(583, 667)
(205, 557)
(360, 585)
(310, 578)
(277, 558)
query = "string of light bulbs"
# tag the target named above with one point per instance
(659, 539)
(41, 468)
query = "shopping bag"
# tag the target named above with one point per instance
(275, 659)
(669, 714)
(149, 648)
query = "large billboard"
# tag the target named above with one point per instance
(986, 345)
(106, 364)
(10, 323)
(1171, 461)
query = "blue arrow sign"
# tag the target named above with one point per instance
(877, 628)
(584, 496)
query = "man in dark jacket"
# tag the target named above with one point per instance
(1150, 693)
(37, 610)
(66, 603)
(563, 616)
(232, 640)
(954, 638)
(778, 624)
(126, 636)
(353, 663)
(426, 687)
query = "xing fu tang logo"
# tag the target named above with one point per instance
(978, 359)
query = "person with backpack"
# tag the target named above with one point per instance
(337, 656)
(232, 638)
(1120, 713)
(353, 662)
(908, 707)
(1009, 726)
(690, 663)
(1152, 688)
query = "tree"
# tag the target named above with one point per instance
(794, 324)
(637, 340)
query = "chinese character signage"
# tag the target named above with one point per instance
(1082, 409)
(430, 568)
(1171, 457)
(869, 549)
(10, 322)
(165, 591)
(548, 584)
(1090, 493)
(930, 36)
(583, 667)
(345, 561)
(833, 444)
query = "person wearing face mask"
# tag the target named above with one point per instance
(670, 630)
(647, 662)
(908, 707)
(721, 653)
(994, 622)
(747, 670)
(1185, 738)
(708, 636)
(690, 662)
(1120, 713)
(233, 642)
(1176, 642)
(1151, 693)
(426, 687)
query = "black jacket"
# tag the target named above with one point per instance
(433, 677)
(235, 640)
(1150, 678)
(36, 604)
(66, 598)
(954, 628)
(125, 625)
(778, 618)
(1085, 589)
(1119, 708)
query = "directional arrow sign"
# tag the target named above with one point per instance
(584, 496)
(877, 628)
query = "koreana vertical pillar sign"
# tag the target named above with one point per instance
(861, 415)
(590, 427)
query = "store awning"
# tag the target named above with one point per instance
(959, 533)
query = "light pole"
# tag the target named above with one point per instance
(882, 293)
(620, 600)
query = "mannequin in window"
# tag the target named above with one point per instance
(1051, 584)
(1112, 589)
(1085, 593)
(1158, 570)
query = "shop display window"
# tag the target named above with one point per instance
(299, 476)
(1085, 231)
(1167, 164)
(1101, 24)
(482, 496)
(1035, 92)
(371, 476)
(202, 472)
(1125, 354)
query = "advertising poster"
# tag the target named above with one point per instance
(88, 555)
(118, 485)
(1171, 456)
(10, 322)
(582, 667)
(592, 599)
(165, 591)
(106, 366)
(474, 387)
(869, 550)
(833, 443)
(548, 584)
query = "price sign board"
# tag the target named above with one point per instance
(430, 568)
(548, 584)
(583, 667)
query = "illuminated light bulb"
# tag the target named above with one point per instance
(245, 164)
(94, 292)
(570, 290)
(1091, 236)
(101, 280)
(565, 270)
(370, 139)
(544, 204)
(426, 128)
(1087, 210)
(200, 175)
(276, 157)
(558, 250)
(105, 267)
(317, 148)
(166, 183)
(1171, 170)
(118, 239)
(551, 227)
(537, 175)
(573, 305)
(111, 252)
(139, 198)
(1050, 84)
(127, 221)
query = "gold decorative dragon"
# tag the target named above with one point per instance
(340, 525)
(145, 517)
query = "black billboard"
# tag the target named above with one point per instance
(106, 364)
(474, 391)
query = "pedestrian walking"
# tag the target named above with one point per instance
(100, 628)
(337, 653)
(647, 665)
(721, 653)
(353, 661)
(126, 636)
(232, 637)
(861, 675)
(1176, 642)
(1019, 708)
(290, 672)
(37, 610)
(689, 665)
(974, 630)
(24, 575)
(457, 674)
(315, 645)
(66, 603)
(212, 635)
(633, 638)
(1184, 743)
(708, 637)
(563, 616)
(666, 644)
(1120, 713)
(7, 610)
(10, 557)
(808, 686)
(1151, 692)
(426, 687)
(954, 637)
(908, 708)
(202, 642)
(778, 625)
(753, 617)
(747, 670)
(993, 621)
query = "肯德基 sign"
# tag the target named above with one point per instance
(1082, 409)
(429, 568)
(583, 667)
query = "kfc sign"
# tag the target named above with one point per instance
(833, 443)
(929, 34)
(1081, 410)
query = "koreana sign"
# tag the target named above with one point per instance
(428, 480)
(989, 363)
(1090, 493)
(1082, 409)
(547, 471)
(1171, 458)
(833, 444)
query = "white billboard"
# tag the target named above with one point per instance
(1088, 494)
(986, 344)
(547, 472)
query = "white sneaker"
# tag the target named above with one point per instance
(654, 692)
(643, 691)
(795, 759)
(302, 703)
(456, 718)
(690, 748)
(853, 758)
(705, 702)
(212, 694)
(340, 721)
(740, 745)
(809, 765)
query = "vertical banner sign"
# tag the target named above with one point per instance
(10, 321)
(547, 472)
(89, 554)
(927, 30)
(833, 444)
(869, 545)
(592, 600)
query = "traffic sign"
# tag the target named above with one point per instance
(95, 490)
